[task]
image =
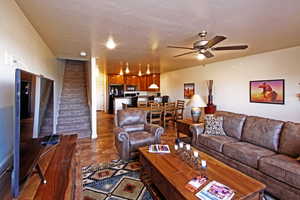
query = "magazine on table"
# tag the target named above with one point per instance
(215, 191)
(159, 148)
(194, 184)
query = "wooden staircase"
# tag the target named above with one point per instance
(74, 113)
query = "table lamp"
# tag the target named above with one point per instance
(196, 103)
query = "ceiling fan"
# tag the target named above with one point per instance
(203, 46)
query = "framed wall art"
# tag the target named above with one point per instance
(189, 90)
(267, 91)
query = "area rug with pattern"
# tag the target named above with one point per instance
(117, 180)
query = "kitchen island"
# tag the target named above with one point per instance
(127, 100)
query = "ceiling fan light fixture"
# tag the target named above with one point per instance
(110, 44)
(203, 42)
(200, 56)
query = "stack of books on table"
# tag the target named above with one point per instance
(159, 148)
(215, 191)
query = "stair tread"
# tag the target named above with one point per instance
(74, 112)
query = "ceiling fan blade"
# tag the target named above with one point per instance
(214, 41)
(238, 47)
(186, 53)
(176, 47)
(208, 54)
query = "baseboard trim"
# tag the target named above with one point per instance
(6, 163)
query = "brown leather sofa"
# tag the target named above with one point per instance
(262, 148)
(133, 132)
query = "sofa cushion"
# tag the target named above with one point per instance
(131, 117)
(283, 168)
(290, 139)
(215, 142)
(140, 139)
(263, 132)
(136, 127)
(246, 153)
(232, 123)
(213, 125)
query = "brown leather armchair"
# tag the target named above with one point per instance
(133, 132)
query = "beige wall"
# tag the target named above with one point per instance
(101, 85)
(21, 42)
(231, 78)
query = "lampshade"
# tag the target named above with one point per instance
(153, 86)
(196, 102)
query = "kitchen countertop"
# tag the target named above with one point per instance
(138, 97)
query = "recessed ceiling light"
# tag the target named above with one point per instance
(83, 53)
(110, 44)
(200, 56)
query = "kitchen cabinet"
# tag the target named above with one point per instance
(142, 82)
(132, 80)
(115, 79)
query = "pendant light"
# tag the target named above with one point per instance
(121, 72)
(127, 68)
(140, 72)
(148, 69)
(153, 85)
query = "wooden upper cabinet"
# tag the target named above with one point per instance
(142, 82)
(115, 79)
(132, 80)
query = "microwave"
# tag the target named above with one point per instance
(131, 87)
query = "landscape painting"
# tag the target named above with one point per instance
(267, 91)
(189, 90)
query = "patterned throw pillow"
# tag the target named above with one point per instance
(213, 125)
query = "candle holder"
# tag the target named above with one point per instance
(192, 158)
(176, 147)
(203, 168)
(196, 163)
(181, 150)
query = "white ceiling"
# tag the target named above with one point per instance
(143, 28)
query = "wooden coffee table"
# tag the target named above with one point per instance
(168, 174)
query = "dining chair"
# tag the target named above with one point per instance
(179, 109)
(165, 99)
(142, 104)
(124, 106)
(150, 102)
(155, 114)
(169, 113)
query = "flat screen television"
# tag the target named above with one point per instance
(33, 121)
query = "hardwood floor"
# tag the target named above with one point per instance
(90, 152)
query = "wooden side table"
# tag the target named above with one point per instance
(183, 126)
